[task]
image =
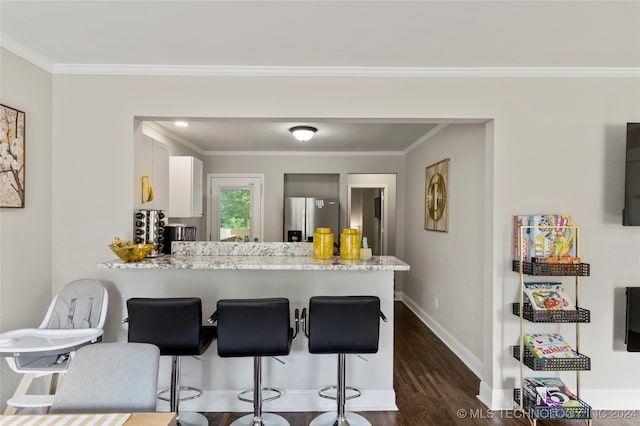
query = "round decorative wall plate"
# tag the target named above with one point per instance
(436, 195)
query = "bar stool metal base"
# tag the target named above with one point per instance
(183, 418)
(331, 419)
(191, 418)
(259, 418)
(267, 419)
(341, 417)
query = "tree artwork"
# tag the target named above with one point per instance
(11, 157)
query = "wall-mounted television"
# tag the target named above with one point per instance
(631, 212)
(632, 328)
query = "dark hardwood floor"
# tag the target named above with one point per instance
(433, 387)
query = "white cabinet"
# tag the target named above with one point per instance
(151, 158)
(185, 186)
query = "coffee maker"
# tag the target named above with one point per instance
(177, 232)
(148, 228)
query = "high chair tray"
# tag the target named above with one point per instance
(42, 341)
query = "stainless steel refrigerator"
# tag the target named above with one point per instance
(302, 215)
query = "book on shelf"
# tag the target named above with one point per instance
(551, 237)
(547, 296)
(548, 345)
(549, 391)
(521, 245)
(556, 260)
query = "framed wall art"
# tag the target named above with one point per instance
(436, 196)
(12, 161)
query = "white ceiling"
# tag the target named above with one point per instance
(358, 136)
(331, 37)
(327, 33)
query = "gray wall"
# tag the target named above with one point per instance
(25, 234)
(541, 128)
(558, 115)
(445, 284)
(275, 167)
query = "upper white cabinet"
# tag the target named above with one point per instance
(185, 186)
(152, 160)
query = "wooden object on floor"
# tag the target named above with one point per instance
(111, 419)
(152, 419)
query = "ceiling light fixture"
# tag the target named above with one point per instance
(181, 123)
(303, 133)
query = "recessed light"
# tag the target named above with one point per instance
(181, 123)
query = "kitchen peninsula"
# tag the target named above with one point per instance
(214, 271)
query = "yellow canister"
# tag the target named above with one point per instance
(350, 244)
(323, 244)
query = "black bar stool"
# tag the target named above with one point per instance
(174, 325)
(255, 328)
(342, 325)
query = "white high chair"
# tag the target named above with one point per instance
(75, 318)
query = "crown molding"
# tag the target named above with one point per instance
(25, 53)
(305, 153)
(174, 137)
(403, 72)
(431, 133)
(47, 64)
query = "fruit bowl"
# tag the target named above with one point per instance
(129, 252)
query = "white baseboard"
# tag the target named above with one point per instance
(291, 401)
(485, 394)
(611, 399)
(470, 360)
(501, 399)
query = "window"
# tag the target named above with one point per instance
(235, 208)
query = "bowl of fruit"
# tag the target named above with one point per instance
(129, 252)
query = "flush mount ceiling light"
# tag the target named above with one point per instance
(303, 133)
(181, 123)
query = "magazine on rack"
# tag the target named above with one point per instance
(550, 236)
(549, 391)
(547, 345)
(548, 296)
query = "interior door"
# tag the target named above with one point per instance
(236, 206)
(383, 210)
(367, 214)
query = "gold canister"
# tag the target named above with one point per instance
(350, 244)
(323, 244)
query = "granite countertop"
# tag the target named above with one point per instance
(255, 256)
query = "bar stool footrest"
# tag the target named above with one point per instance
(323, 392)
(271, 398)
(198, 393)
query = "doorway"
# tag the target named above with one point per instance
(367, 206)
(371, 208)
(235, 207)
